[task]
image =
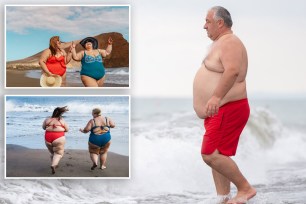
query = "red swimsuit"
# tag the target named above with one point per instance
(56, 65)
(50, 136)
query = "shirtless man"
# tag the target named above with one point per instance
(220, 97)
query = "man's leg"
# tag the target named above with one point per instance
(222, 186)
(228, 168)
(222, 183)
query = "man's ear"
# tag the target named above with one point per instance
(220, 23)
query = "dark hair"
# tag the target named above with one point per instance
(59, 111)
(222, 13)
(53, 44)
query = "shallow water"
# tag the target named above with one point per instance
(25, 115)
(166, 166)
(118, 76)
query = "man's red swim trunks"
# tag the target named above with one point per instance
(223, 130)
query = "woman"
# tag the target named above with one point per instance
(55, 127)
(53, 60)
(99, 138)
(93, 71)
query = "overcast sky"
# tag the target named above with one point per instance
(168, 43)
(171, 44)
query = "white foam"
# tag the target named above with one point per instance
(118, 71)
(166, 160)
(74, 107)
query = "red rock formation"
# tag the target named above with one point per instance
(118, 58)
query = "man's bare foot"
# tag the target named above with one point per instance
(93, 166)
(222, 199)
(243, 196)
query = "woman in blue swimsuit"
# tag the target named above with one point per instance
(99, 138)
(93, 71)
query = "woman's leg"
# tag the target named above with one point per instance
(58, 149)
(88, 81)
(103, 155)
(101, 81)
(64, 81)
(94, 159)
(50, 148)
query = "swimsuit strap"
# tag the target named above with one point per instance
(54, 126)
(49, 122)
(94, 123)
(61, 124)
(106, 123)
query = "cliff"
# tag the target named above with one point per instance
(118, 58)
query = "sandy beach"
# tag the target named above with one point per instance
(24, 162)
(18, 78)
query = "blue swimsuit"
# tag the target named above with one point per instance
(100, 140)
(92, 66)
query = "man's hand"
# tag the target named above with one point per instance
(212, 106)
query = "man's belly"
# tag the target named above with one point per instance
(205, 83)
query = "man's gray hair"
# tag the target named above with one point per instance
(222, 13)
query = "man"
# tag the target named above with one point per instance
(220, 98)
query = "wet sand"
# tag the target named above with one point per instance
(18, 78)
(25, 162)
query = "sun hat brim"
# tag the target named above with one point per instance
(94, 42)
(57, 83)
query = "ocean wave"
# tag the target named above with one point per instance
(118, 71)
(74, 107)
(264, 133)
(167, 166)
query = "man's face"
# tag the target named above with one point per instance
(211, 26)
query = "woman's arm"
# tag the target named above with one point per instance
(42, 62)
(44, 124)
(66, 127)
(67, 56)
(111, 123)
(108, 49)
(76, 56)
(87, 128)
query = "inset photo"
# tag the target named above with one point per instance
(58, 46)
(67, 137)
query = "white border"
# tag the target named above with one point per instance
(129, 123)
(60, 88)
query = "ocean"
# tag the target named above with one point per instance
(117, 76)
(166, 165)
(25, 115)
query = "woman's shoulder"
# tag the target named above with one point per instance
(62, 120)
(46, 51)
(99, 51)
(47, 119)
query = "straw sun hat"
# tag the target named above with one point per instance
(50, 81)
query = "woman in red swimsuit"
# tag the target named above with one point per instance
(55, 127)
(54, 59)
